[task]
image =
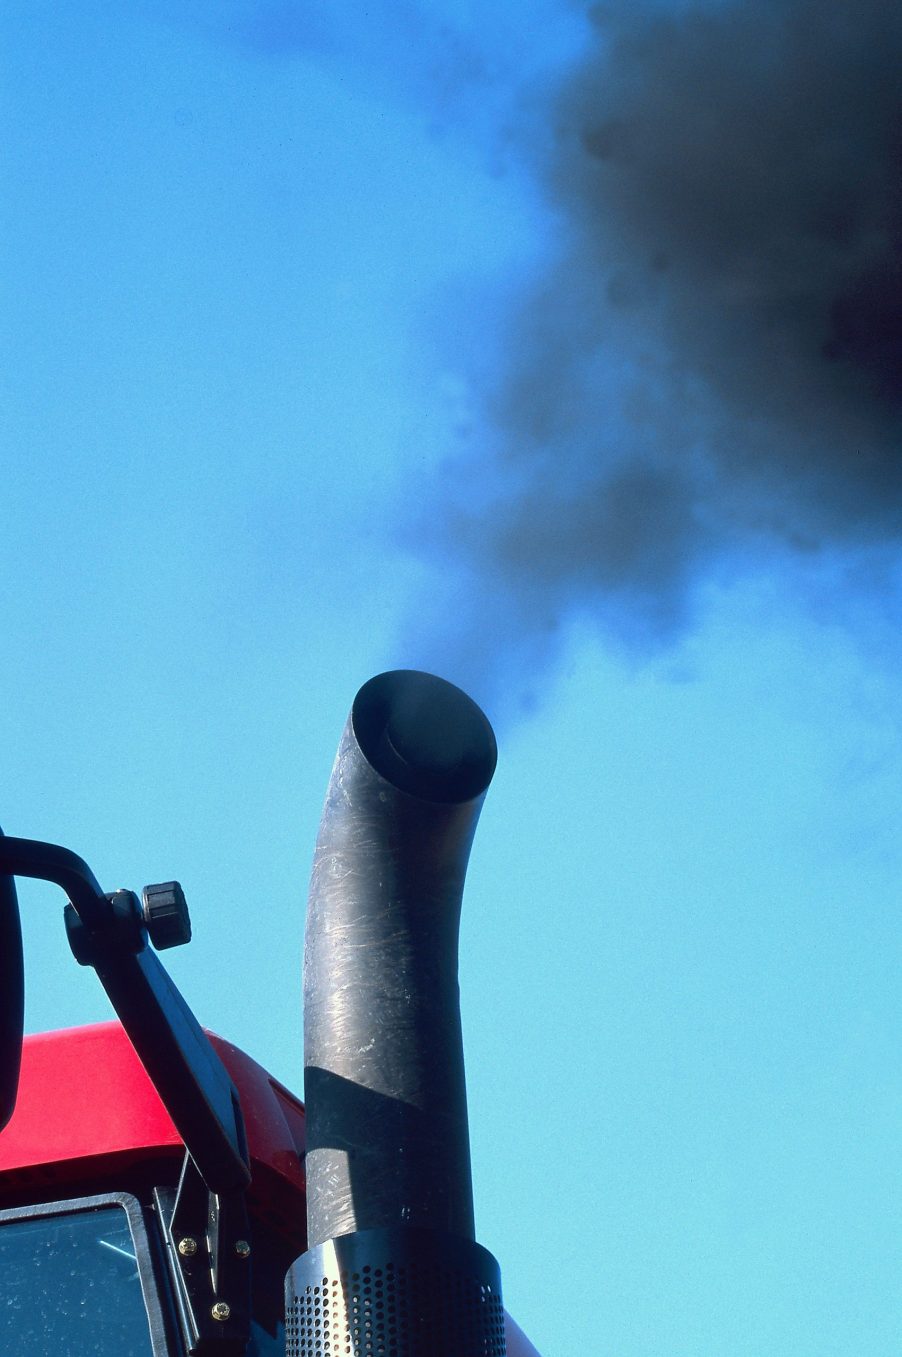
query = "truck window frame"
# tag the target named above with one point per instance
(150, 1276)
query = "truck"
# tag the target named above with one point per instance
(161, 1195)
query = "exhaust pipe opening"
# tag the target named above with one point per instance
(424, 736)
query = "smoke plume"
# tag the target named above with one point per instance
(708, 375)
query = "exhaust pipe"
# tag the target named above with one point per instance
(392, 1268)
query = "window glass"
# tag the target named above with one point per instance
(69, 1287)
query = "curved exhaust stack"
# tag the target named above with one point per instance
(389, 1195)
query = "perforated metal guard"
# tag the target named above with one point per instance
(394, 1293)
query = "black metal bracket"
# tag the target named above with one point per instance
(111, 933)
(209, 1249)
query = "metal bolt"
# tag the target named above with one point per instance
(242, 1248)
(221, 1311)
(187, 1247)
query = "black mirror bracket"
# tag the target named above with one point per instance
(123, 930)
(161, 917)
(209, 1251)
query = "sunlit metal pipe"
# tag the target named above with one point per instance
(389, 1192)
(384, 1077)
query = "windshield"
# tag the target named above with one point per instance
(70, 1286)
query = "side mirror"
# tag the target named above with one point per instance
(12, 997)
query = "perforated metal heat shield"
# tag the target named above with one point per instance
(400, 1292)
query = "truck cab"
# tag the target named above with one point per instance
(90, 1165)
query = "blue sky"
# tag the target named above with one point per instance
(260, 272)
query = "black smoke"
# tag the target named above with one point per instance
(707, 375)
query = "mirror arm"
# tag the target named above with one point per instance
(110, 933)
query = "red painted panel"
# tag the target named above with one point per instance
(85, 1104)
(82, 1092)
